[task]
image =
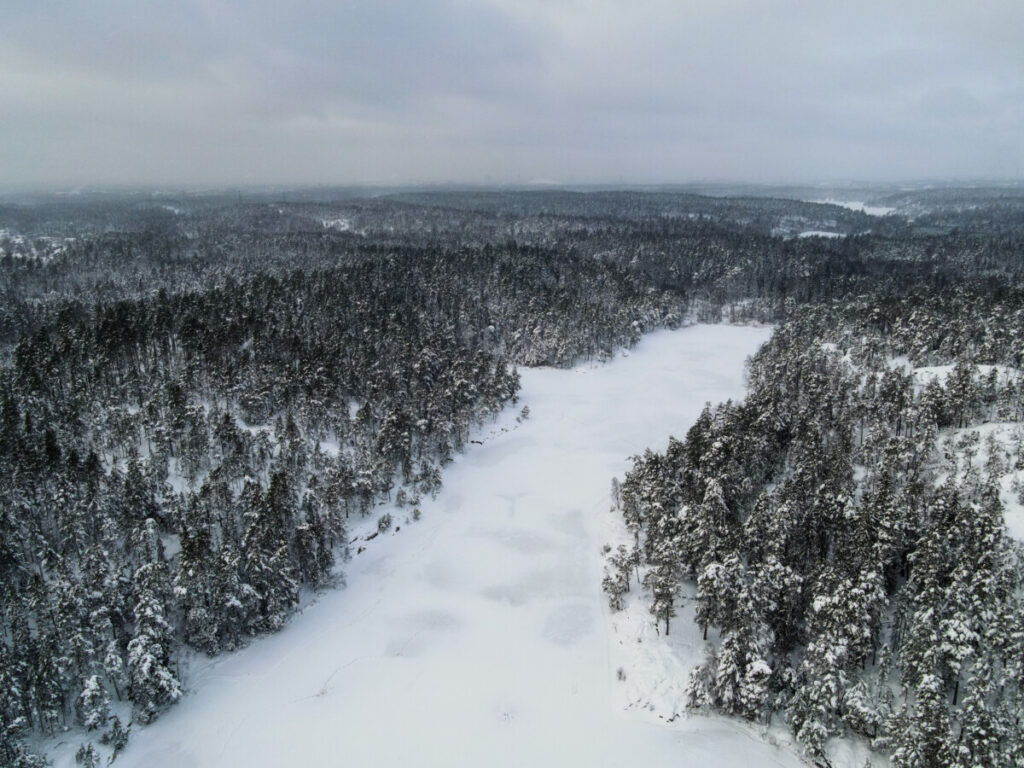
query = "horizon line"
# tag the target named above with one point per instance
(157, 189)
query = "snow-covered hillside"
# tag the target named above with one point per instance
(479, 635)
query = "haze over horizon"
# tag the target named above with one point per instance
(501, 92)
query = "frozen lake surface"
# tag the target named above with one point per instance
(856, 205)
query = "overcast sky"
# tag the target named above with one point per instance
(206, 92)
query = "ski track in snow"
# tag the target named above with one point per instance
(479, 636)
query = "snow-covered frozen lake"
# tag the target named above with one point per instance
(479, 635)
(856, 205)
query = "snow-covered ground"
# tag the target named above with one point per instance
(820, 233)
(342, 225)
(980, 440)
(856, 205)
(479, 636)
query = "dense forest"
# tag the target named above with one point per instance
(840, 533)
(200, 395)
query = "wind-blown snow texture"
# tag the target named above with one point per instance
(479, 636)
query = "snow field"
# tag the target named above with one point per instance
(479, 635)
(820, 233)
(856, 205)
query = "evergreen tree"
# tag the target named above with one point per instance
(153, 685)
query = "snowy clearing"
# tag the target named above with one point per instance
(479, 635)
(856, 205)
(820, 233)
(341, 225)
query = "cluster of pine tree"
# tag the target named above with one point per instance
(845, 581)
(176, 466)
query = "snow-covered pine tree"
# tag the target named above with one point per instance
(153, 685)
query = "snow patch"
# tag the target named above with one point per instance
(339, 225)
(820, 233)
(856, 205)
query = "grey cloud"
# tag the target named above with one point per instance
(222, 92)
